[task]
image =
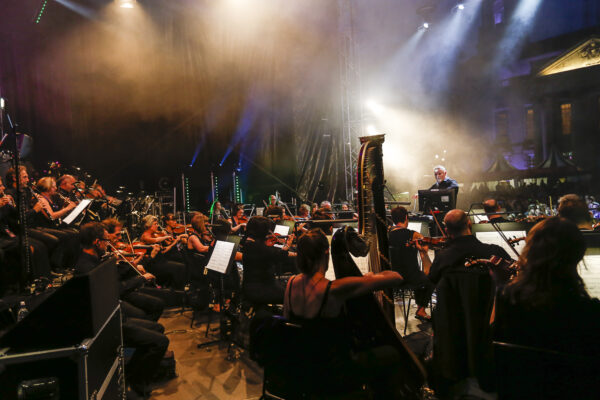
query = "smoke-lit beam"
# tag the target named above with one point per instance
(520, 25)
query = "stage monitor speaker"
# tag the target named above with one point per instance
(77, 310)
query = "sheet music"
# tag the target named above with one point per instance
(76, 211)
(479, 218)
(495, 238)
(361, 262)
(282, 230)
(415, 226)
(221, 256)
(260, 211)
(590, 273)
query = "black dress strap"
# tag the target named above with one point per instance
(324, 299)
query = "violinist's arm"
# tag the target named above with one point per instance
(350, 287)
(148, 239)
(423, 253)
(237, 227)
(169, 247)
(197, 245)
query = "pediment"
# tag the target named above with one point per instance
(584, 55)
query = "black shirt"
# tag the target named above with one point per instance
(404, 258)
(458, 251)
(259, 262)
(85, 263)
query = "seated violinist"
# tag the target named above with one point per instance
(200, 240)
(238, 222)
(316, 303)
(404, 259)
(154, 234)
(168, 272)
(322, 214)
(303, 212)
(260, 285)
(173, 228)
(136, 303)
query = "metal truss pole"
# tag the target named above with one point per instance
(351, 94)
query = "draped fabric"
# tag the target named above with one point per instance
(145, 94)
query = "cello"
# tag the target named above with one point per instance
(372, 316)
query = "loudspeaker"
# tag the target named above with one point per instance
(77, 310)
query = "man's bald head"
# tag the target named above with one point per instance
(457, 223)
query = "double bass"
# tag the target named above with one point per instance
(372, 316)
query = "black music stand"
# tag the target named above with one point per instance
(221, 260)
(442, 200)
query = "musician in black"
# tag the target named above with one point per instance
(461, 318)
(147, 337)
(9, 243)
(317, 304)
(404, 260)
(66, 186)
(461, 247)
(53, 239)
(139, 300)
(260, 285)
(442, 180)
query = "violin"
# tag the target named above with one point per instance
(242, 220)
(275, 238)
(504, 270)
(435, 243)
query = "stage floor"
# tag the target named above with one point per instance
(207, 374)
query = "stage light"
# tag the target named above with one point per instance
(460, 6)
(425, 25)
(374, 107)
(126, 3)
(371, 130)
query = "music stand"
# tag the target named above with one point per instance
(220, 262)
(442, 200)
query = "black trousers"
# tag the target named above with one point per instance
(150, 343)
(40, 262)
(168, 273)
(144, 306)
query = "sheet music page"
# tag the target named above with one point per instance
(495, 238)
(361, 262)
(221, 255)
(479, 218)
(415, 226)
(260, 211)
(282, 230)
(590, 273)
(76, 211)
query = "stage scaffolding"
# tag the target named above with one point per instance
(350, 94)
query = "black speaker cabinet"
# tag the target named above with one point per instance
(91, 370)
